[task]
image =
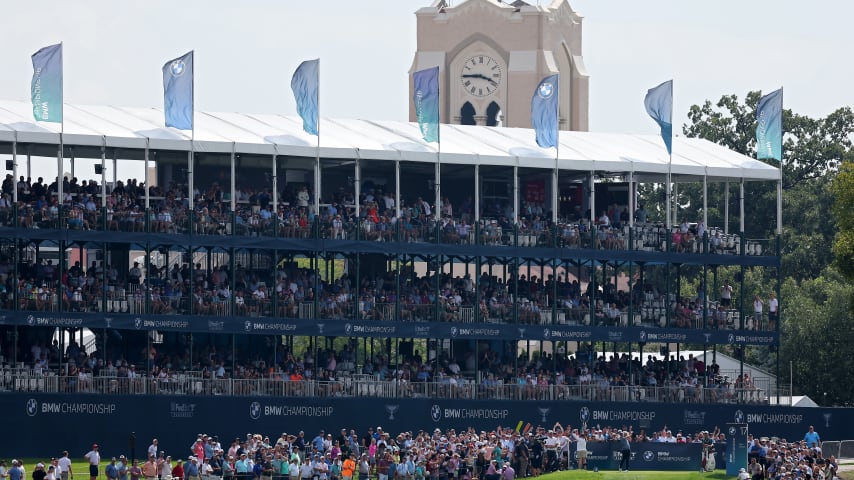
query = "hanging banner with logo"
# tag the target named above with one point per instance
(736, 445)
(645, 456)
(380, 329)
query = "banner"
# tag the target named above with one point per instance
(426, 100)
(659, 106)
(645, 456)
(46, 86)
(305, 85)
(737, 447)
(178, 92)
(174, 412)
(544, 111)
(376, 328)
(769, 126)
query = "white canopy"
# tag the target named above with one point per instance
(266, 134)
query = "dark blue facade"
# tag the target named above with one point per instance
(73, 422)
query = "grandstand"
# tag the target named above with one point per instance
(253, 264)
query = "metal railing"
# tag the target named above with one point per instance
(249, 221)
(357, 385)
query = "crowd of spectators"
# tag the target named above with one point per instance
(289, 291)
(180, 287)
(204, 369)
(499, 454)
(294, 216)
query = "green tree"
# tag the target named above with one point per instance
(843, 204)
(812, 151)
(817, 328)
(817, 338)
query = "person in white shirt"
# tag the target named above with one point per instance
(64, 464)
(773, 306)
(94, 459)
(581, 449)
(152, 449)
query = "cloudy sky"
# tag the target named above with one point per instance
(247, 50)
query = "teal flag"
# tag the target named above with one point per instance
(544, 111)
(46, 87)
(305, 85)
(426, 99)
(659, 106)
(769, 126)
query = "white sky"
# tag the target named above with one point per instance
(246, 52)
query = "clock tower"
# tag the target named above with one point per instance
(492, 55)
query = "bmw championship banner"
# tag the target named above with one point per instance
(178, 92)
(46, 87)
(736, 445)
(544, 111)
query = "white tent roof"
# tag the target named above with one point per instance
(266, 134)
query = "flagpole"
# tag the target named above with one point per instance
(437, 214)
(61, 155)
(317, 151)
(780, 181)
(555, 179)
(670, 169)
(191, 160)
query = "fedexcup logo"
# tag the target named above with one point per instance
(435, 413)
(177, 68)
(827, 420)
(31, 320)
(108, 322)
(739, 416)
(708, 336)
(320, 327)
(648, 456)
(521, 332)
(391, 409)
(584, 415)
(546, 90)
(254, 410)
(32, 407)
(544, 413)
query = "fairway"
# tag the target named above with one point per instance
(639, 475)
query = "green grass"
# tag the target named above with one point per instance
(638, 475)
(79, 468)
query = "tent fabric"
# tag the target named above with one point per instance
(266, 134)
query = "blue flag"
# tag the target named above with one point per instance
(178, 92)
(426, 99)
(305, 86)
(544, 111)
(659, 106)
(769, 126)
(46, 87)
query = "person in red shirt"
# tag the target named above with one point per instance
(178, 470)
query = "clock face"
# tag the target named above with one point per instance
(481, 75)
